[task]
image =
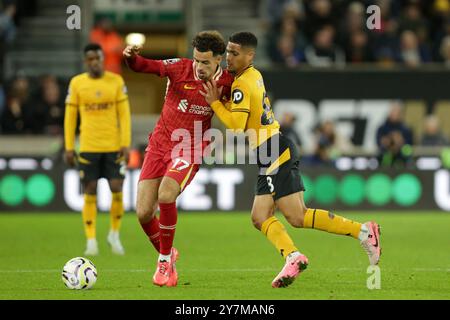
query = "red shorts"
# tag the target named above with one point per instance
(159, 163)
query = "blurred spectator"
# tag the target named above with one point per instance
(7, 26)
(287, 128)
(354, 21)
(445, 51)
(358, 49)
(48, 111)
(412, 20)
(432, 135)
(288, 43)
(394, 139)
(352, 35)
(20, 88)
(329, 145)
(386, 43)
(7, 29)
(279, 9)
(412, 54)
(14, 119)
(54, 100)
(442, 32)
(319, 13)
(285, 41)
(287, 52)
(111, 42)
(323, 52)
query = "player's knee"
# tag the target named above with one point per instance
(116, 187)
(144, 214)
(90, 187)
(257, 221)
(167, 196)
(141, 213)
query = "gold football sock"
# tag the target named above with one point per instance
(277, 234)
(116, 212)
(89, 215)
(326, 221)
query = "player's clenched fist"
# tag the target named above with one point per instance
(131, 51)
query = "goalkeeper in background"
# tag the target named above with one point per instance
(100, 98)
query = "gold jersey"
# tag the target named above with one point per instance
(248, 94)
(104, 113)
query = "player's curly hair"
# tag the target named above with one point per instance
(210, 40)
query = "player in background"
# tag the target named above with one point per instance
(279, 182)
(100, 98)
(165, 174)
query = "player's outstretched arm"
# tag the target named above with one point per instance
(139, 64)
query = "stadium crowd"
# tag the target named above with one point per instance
(33, 108)
(325, 33)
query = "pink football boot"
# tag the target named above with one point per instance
(293, 267)
(372, 244)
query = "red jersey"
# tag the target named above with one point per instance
(183, 105)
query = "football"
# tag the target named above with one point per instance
(79, 273)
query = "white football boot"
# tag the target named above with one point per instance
(91, 247)
(114, 242)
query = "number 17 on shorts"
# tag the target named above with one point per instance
(182, 171)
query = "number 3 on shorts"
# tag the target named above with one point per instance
(269, 182)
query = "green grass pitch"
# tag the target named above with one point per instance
(223, 257)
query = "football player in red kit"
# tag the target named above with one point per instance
(170, 164)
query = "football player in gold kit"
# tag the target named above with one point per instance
(279, 182)
(100, 99)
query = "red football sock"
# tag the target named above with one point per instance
(167, 224)
(152, 230)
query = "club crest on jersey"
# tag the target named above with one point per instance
(183, 105)
(171, 61)
(237, 96)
